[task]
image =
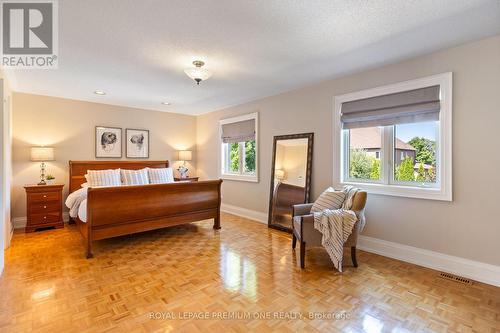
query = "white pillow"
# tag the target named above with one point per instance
(160, 175)
(103, 177)
(85, 184)
(135, 177)
(329, 199)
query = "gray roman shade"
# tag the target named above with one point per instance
(239, 131)
(400, 108)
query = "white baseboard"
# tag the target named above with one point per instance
(20, 222)
(243, 212)
(471, 269)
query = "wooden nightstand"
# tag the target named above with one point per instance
(43, 206)
(188, 179)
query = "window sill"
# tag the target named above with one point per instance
(243, 178)
(403, 191)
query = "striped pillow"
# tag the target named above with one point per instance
(160, 175)
(329, 199)
(103, 177)
(135, 177)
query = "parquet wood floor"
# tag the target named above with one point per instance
(150, 282)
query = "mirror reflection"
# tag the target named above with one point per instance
(290, 183)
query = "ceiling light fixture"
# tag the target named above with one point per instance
(166, 103)
(197, 73)
(99, 92)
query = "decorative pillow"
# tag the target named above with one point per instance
(103, 177)
(160, 175)
(135, 177)
(329, 199)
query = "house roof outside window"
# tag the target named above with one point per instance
(370, 138)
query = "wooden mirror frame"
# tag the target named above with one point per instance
(310, 145)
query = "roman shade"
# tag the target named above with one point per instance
(239, 131)
(410, 106)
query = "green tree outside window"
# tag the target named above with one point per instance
(375, 173)
(404, 171)
(235, 157)
(421, 173)
(250, 156)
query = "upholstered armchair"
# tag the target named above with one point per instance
(303, 228)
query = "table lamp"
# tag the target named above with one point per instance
(184, 155)
(279, 174)
(42, 154)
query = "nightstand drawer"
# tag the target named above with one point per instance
(45, 218)
(45, 207)
(44, 196)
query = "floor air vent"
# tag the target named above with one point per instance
(454, 278)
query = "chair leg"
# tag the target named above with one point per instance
(294, 241)
(302, 254)
(353, 256)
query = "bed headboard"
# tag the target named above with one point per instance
(78, 169)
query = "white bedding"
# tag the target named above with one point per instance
(82, 211)
(74, 201)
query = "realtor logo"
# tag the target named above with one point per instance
(29, 34)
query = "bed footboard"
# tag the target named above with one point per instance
(117, 211)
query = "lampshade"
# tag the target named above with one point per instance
(42, 154)
(185, 155)
(279, 174)
(198, 73)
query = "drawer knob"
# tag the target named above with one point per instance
(44, 196)
(44, 206)
(45, 217)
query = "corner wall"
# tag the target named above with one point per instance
(5, 166)
(467, 227)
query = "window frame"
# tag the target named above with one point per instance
(388, 186)
(224, 153)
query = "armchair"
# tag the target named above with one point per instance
(303, 228)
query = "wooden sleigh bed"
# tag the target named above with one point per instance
(117, 211)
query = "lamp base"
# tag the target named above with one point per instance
(42, 183)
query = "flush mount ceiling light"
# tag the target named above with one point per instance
(197, 73)
(166, 103)
(99, 92)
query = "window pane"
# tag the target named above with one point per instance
(365, 145)
(415, 152)
(249, 156)
(234, 157)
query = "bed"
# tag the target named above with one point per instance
(124, 210)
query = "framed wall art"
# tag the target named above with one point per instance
(108, 142)
(137, 143)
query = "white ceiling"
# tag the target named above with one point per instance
(136, 50)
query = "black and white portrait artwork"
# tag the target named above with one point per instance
(137, 143)
(108, 142)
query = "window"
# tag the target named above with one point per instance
(239, 148)
(396, 140)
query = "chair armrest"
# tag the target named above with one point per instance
(309, 218)
(302, 209)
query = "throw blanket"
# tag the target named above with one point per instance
(336, 226)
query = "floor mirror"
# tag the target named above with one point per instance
(290, 177)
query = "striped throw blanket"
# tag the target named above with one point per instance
(336, 226)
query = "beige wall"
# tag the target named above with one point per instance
(69, 126)
(468, 227)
